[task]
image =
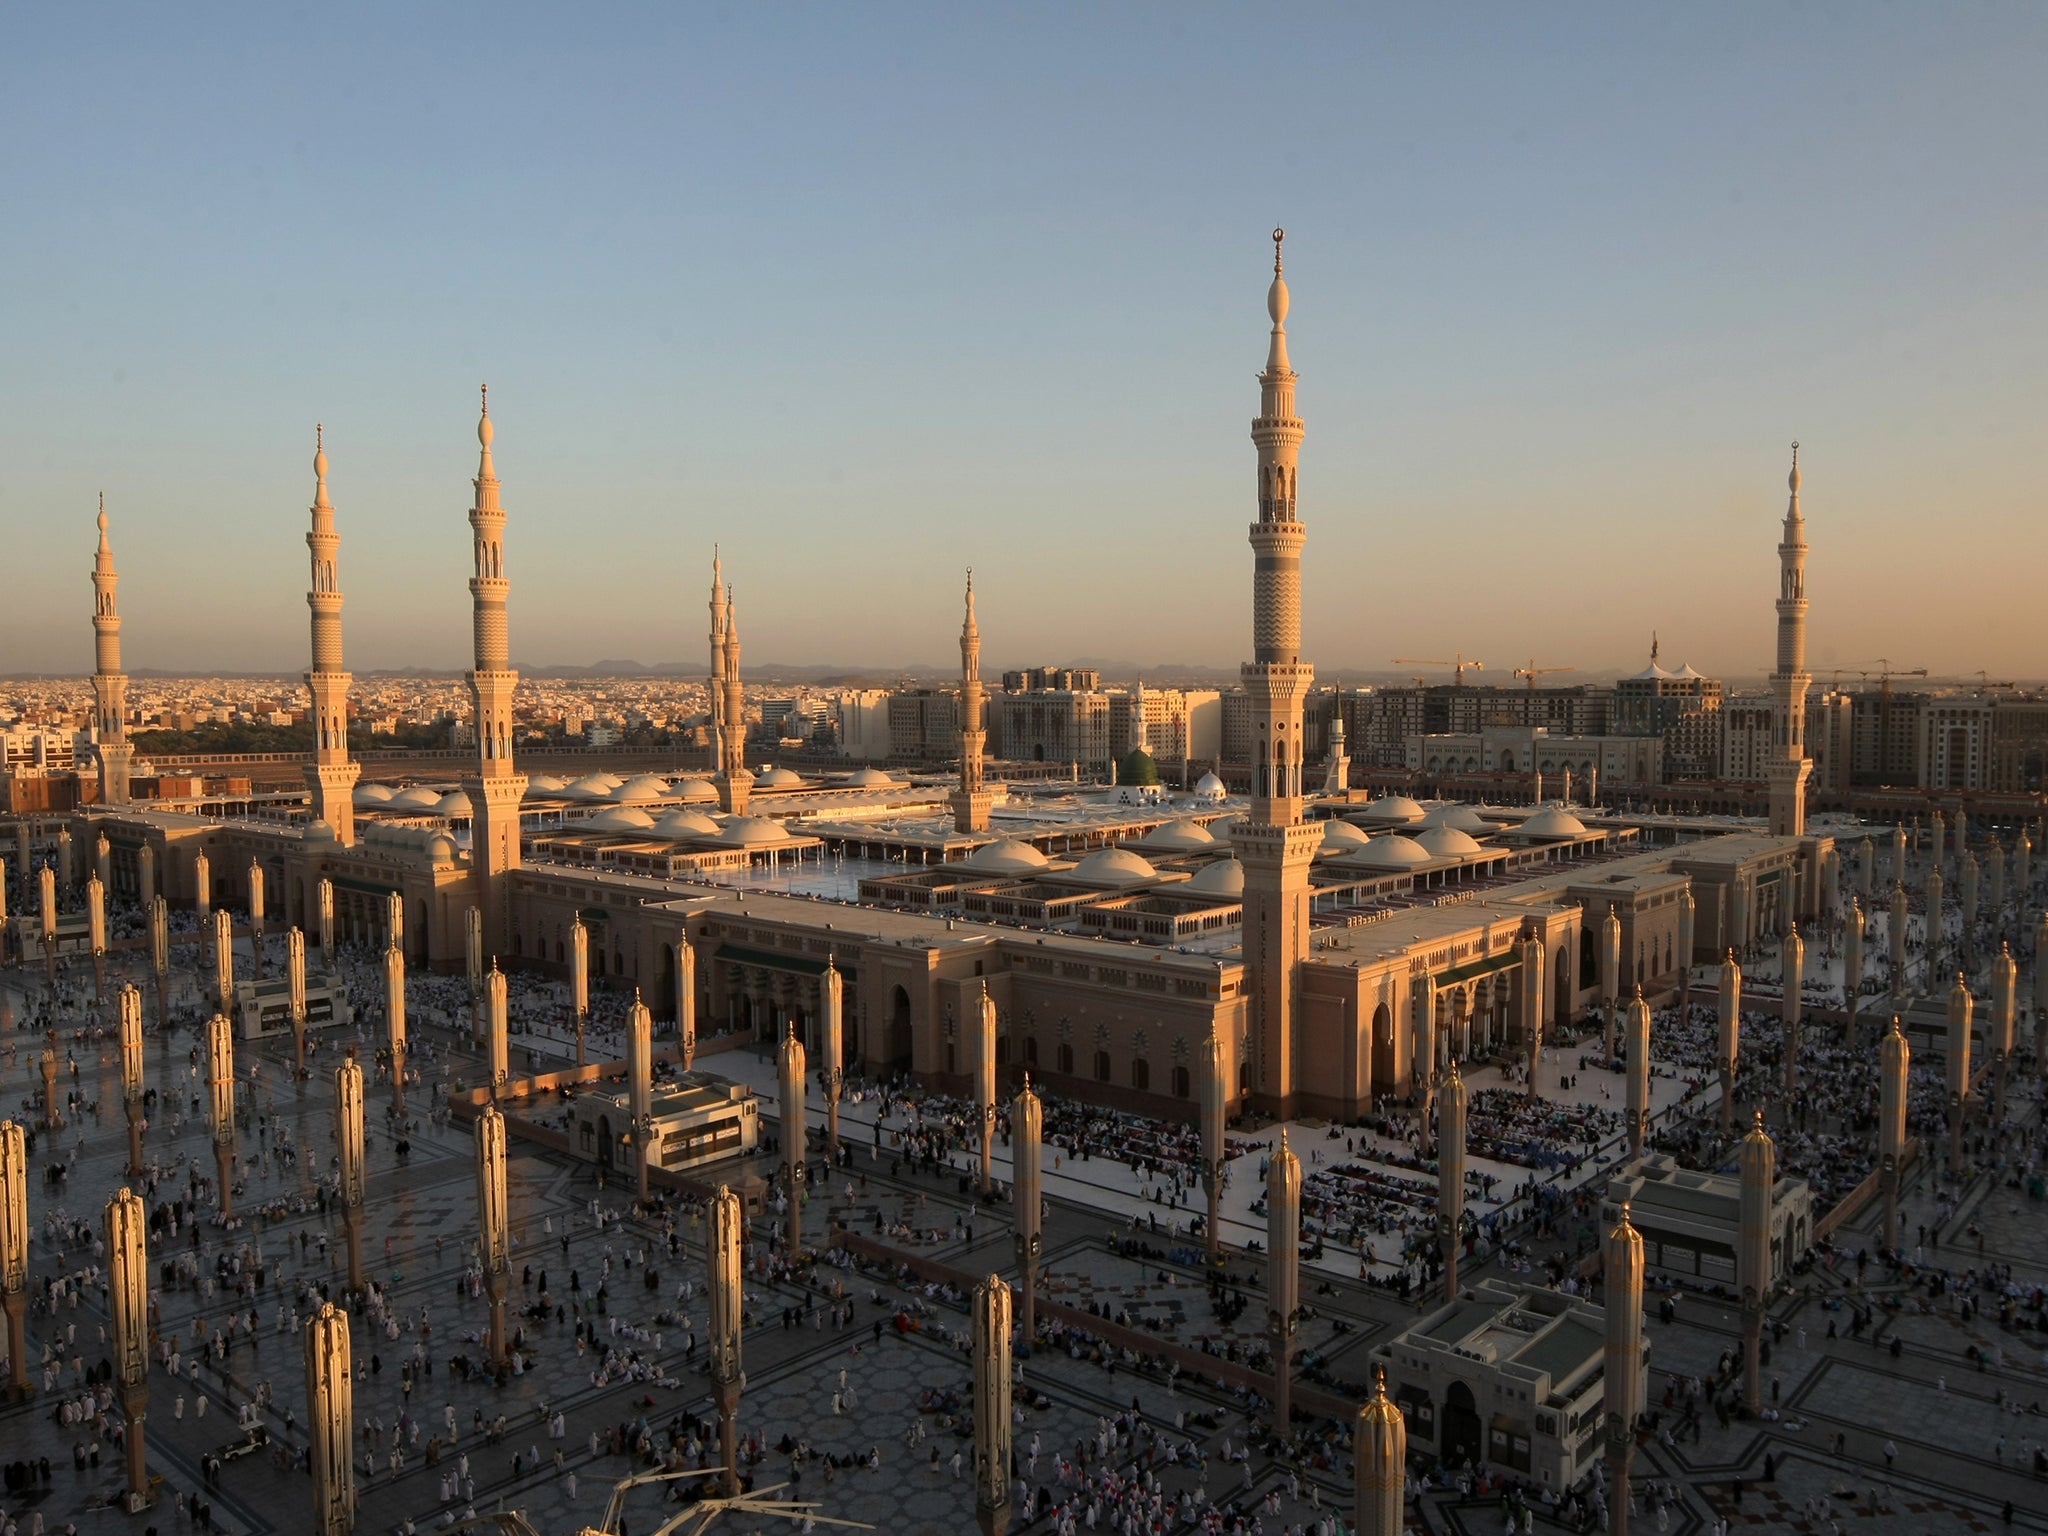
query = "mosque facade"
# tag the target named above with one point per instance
(1341, 951)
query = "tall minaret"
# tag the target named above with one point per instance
(1272, 841)
(735, 784)
(331, 776)
(109, 682)
(495, 792)
(714, 682)
(1789, 766)
(971, 800)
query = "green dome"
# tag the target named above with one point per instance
(1138, 769)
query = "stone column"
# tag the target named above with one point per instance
(1934, 925)
(1283, 1275)
(640, 1088)
(1450, 1180)
(497, 1029)
(145, 876)
(130, 1004)
(1969, 879)
(1895, 1059)
(1995, 857)
(1532, 1007)
(1960, 1009)
(330, 1421)
(1758, 1161)
(992, 1406)
(985, 1083)
(394, 921)
(348, 1148)
(792, 1069)
(96, 929)
(1623, 1363)
(295, 975)
(394, 1018)
(14, 1235)
(832, 1036)
(723, 1301)
(224, 961)
(128, 1311)
(202, 899)
(47, 879)
(1937, 841)
(1730, 1039)
(493, 1222)
(66, 871)
(1792, 969)
(686, 1002)
(2000, 1026)
(103, 860)
(1379, 1463)
(53, 1119)
(256, 916)
(1027, 1157)
(1638, 1076)
(1610, 976)
(220, 1072)
(579, 980)
(1852, 968)
(1866, 868)
(1422, 1050)
(1215, 1097)
(2022, 868)
(1897, 940)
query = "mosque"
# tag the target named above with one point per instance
(1341, 949)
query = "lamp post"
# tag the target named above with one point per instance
(992, 1406)
(1027, 1153)
(14, 1235)
(1730, 1039)
(640, 1088)
(1638, 1076)
(1283, 1275)
(295, 974)
(1379, 1463)
(1450, 1176)
(1852, 968)
(145, 876)
(256, 916)
(348, 1150)
(793, 1137)
(686, 1002)
(497, 1029)
(473, 954)
(220, 1070)
(1623, 1363)
(1758, 1162)
(47, 883)
(160, 962)
(1895, 1058)
(330, 1427)
(128, 1309)
(1215, 1096)
(324, 900)
(130, 1005)
(224, 961)
(579, 979)
(723, 1298)
(1610, 975)
(1532, 1006)
(1960, 1008)
(96, 930)
(1792, 970)
(985, 1083)
(202, 900)
(494, 1248)
(394, 1017)
(834, 1043)
(2000, 1026)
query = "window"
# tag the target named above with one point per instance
(1180, 1082)
(1102, 1066)
(1141, 1074)
(1066, 1060)
(1031, 1050)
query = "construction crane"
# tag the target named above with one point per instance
(1532, 672)
(1984, 682)
(1458, 663)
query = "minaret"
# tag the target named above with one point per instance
(109, 682)
(714, 680)
(330, 776)
(1337, 778)
(971, 799)
(735, 784)
(1272, 841)
(1789, 767)
(495, 792)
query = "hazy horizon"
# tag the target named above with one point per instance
(871, 295)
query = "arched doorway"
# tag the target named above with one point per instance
(899, 1027)
(1463, 1435)
(1380, 1044)
(604, 1142)
(1562, 1004)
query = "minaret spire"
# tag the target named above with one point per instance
(330, 776)
(1274, 844)
(1789, 767)
(109, 682)
(735, 784)
(495, 792)
(971, 800)
(714, 682)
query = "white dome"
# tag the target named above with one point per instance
(686, 824)
(1394, 851)
(1209, 787)
(778, 778)
(592, 786)
(1553, 821)
(1447, 843)
(372, 794)
(1005, 856)
(609, 780)
(620, 818)
(454, 803)
(319, 832)
(544, 784)
(1396, 810)
(441, 848)
(643, 790)
(1225, 877)
(870, 778)
(1176, 837)
(1111, 867)
(1462, 817)
(1340, 838)
(418, 798)
(1223, 826)
(694, 792)
(753, 831)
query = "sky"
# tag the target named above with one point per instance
(867, 294)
